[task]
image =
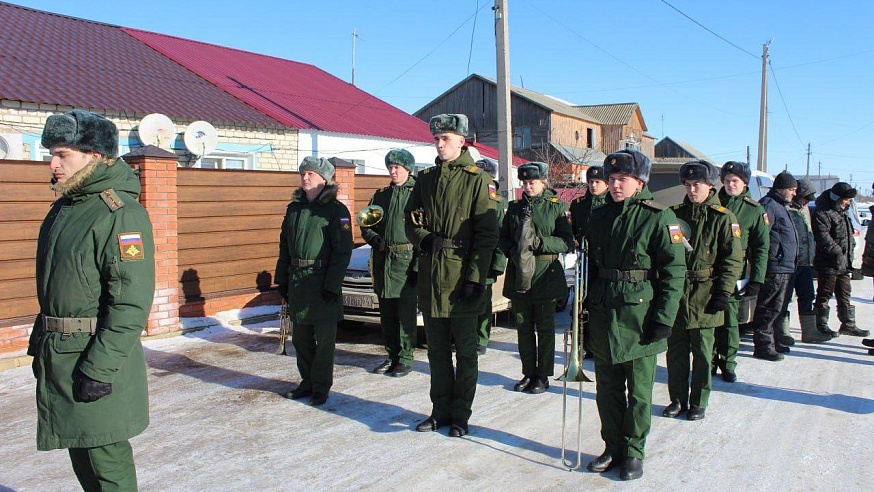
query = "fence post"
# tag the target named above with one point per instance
(344, 175)
(158, 178)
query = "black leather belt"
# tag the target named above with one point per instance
(68, 326)
(445, 242)
(400, 248)
(625, 275)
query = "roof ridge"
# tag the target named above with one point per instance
(80, 19)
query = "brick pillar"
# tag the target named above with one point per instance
(158, 178)
(344, 175)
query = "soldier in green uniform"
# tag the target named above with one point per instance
(754, 241)
(499, 260)
(315, 246)
(535, 231)
(394, 265)
(714, 260)
(637, 270)
(451, 218)
(95, 276)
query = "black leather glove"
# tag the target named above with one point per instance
(752, 289)
(378, 243)
(427, 243)
(471, 291)
(654, 333)
(87, 389)
(412, 278)
(329, 296)
(718, 303)
(536, 243)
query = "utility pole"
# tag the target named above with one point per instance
(354, 37)
(505, 136)
(762, 164)
(819, 170)
(807, 176)
(748, 155)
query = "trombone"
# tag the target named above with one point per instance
(573, 369)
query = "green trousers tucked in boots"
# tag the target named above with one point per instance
(452, 388)
(314, 345)
(782, 335)
(105, 468)
(398, 319)
(535, 330)
(625, 418)
(681, 344)
(809, 333)
(727, 339)
(847, 315)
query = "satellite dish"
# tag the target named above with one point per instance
(200, 138)
(156, 129)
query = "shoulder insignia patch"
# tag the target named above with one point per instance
(346, 223)
(735, 230)
(493, 192)
(130, 245)
(473, 169)
(554, 199)
(676, 207)
(719, 208)
(767, 220)
(654, 205)
(111, 199)
(749, 200)
(676, 233)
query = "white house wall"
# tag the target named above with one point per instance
(371, 150)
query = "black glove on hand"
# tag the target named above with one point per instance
(654, 333)
(412, 278)
(752, 289)
(471, 291)
(718, 303)
(87, 389)
(378, 243)
(329, 296)
(427, 243)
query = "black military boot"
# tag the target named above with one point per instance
(632, 469)
(770, 355)
(383, 368)
(868, 342)
(318, 399)
(400, 370)
(782, 334)
(601, 463)
(537, 386)
(431, 424)
(809, 332)
(522, 384)
(458, 428)
(298, 393)
(847, 315)
(674, 409)
(822, 322)
(695, 413)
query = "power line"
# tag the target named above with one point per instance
(702, 26)
(779, 91)
(472, 32)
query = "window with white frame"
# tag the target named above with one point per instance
(223, 159)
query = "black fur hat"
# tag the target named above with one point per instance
(843, 190)
(81, 130)
(701, 171)
(784, 181)
(595, 172)
(739, 169)
(630, 162)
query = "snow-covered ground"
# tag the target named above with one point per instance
(219, 424)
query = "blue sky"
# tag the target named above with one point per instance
(691, 85)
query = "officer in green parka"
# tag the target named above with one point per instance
(451, 218)
(714, 260)
(315, 246)
(499, 260)
(394, 264)
(754, 241)
(637, 271)
(535, 231)
(95, 275)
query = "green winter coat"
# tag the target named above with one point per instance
(499, 259)
(755, 239)
(635, 234)
(550, 219)
(454, 199)
(581, 210)
(391, 269)
(715, 263)
(83, 271)
(320, 230)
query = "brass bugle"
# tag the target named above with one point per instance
(369, 216)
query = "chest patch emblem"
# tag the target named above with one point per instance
(130, 244)
(345, 223)
(676, 233)
(735, 229)
(493, 192)
(767, 220)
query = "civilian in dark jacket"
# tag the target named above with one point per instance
(782, 257)
(833, 261)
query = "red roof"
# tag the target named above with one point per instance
(55, 59)
(299, 95)
(492, 153)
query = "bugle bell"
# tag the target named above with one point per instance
(369, 216)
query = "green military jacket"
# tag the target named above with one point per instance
(755, 239)
(391, 268)
(713, 265)
(95, 259)
(499, 259)
(454, 202)
(637, 234)
(581, 210)
(315, 246)
(551, 224)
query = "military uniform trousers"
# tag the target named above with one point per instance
(105, 468)
(682, 343)
(535, 331)
(727, 338)
(839, 285)
(452, 388)
(484, 321)
(802, 284)
(625, 418)
(769, 306)
(314, 345)
(398, 319)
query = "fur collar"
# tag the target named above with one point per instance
(80, 178)
(328, 194)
